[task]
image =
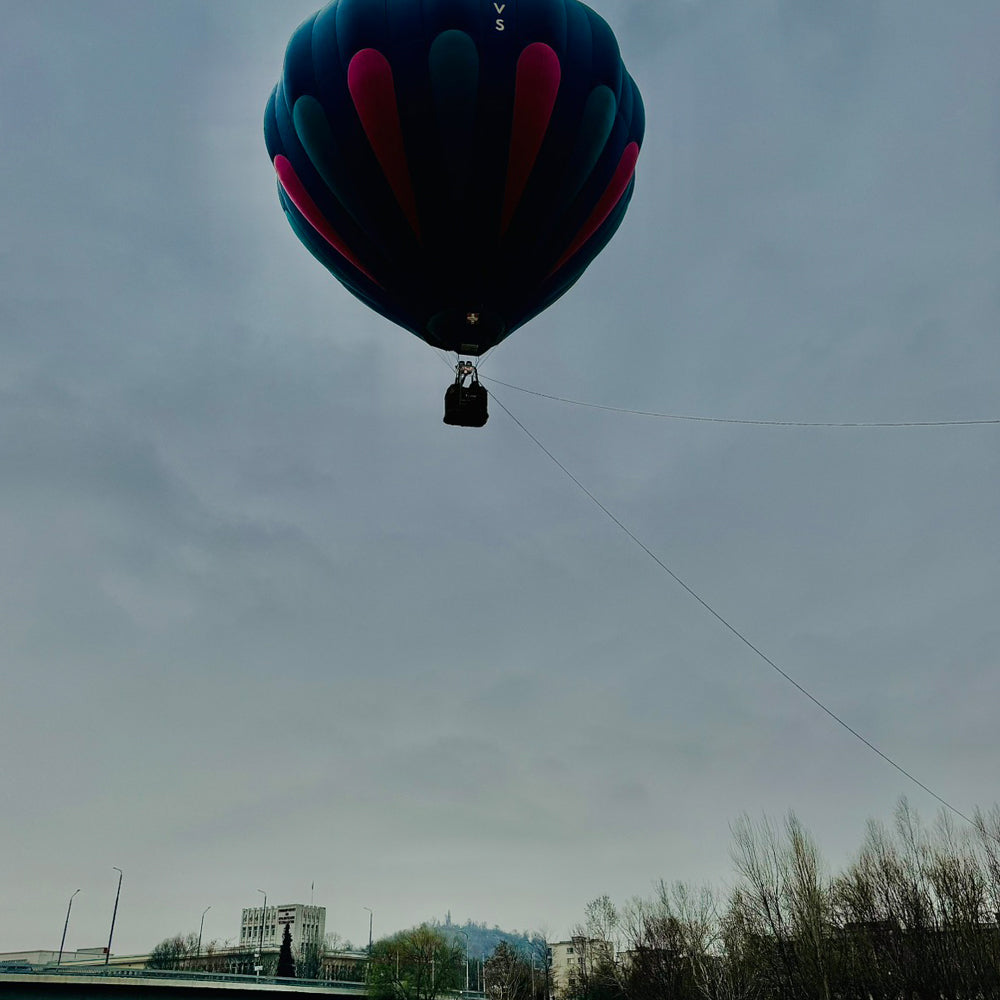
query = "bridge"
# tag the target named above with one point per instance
(146, 984)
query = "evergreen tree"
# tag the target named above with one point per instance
(286, 964)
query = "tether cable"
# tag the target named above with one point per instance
(732, 628)
(734, 420)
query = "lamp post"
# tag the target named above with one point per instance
(121, 874)
(65, 925)
(260, 949)
(201, 928)
(466, 936)
(368, 964)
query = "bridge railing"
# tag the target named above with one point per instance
(110, 972)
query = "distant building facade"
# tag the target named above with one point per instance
(345, 966)
(306, 924)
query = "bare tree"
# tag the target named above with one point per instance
(786, 899)
(173, 952)
(808, 900)
(595, 976)
(508, 974)
(760, 863)
(654, 963)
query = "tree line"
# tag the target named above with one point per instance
(914, 916)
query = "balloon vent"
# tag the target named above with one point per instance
(453, 330)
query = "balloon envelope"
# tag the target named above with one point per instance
(455, 164)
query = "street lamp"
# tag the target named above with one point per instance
(368, 964)
(65, 925)
(466, 936)
(121, 874)
(201, 928)
(260, 950)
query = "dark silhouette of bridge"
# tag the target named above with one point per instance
(146, 984)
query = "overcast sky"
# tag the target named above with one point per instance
(265, 621)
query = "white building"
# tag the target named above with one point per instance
(306, 924)
(573, 960)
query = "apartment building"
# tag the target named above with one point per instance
(571, 961)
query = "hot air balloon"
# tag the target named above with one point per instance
(455, 164)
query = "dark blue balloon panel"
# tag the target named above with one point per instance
(455, 164)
